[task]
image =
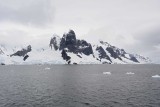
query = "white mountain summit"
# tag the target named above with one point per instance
(70, 50)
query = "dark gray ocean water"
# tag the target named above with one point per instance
(79, 86)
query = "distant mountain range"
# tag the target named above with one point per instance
(70, 50)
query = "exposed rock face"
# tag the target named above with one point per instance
(25, 57)
(122, 52)
(133, 58)
(102, 53)
(113, 53)
(63, 42)
(65, 56)
(54, 42)
(68, 41)
(79, 56)
(70, 38)
(84, 47)
(23, 52)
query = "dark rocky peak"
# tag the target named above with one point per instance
(22, 52)
(68, 41)
(74, 45)
(71, 33)
(70, 38)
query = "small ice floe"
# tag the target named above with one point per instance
(47, 68)
(107, 73)
(156, 76)
(130, 73)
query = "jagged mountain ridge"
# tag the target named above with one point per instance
(71, 50)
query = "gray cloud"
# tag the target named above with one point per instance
(149, 37)
(148, 42)
(29, 12)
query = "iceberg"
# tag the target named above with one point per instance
(130, 73)
(156, 76)
(107, 73)
(47, 68)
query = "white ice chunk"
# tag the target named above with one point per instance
(156, 76)
(107, 73)
(130, 73)
(47, 68)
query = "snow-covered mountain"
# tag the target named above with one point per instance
(69, 50)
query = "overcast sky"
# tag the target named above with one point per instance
(130, 24)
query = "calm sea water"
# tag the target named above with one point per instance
(79, 86)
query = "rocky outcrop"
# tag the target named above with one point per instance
(114, 54)
(65, 56)
(23, 53)
(133, 58)
(84, 47)
(25, 57)
(102, 53)
(122, 52)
